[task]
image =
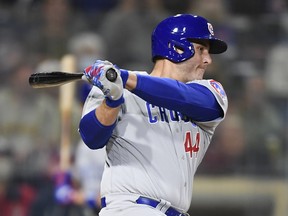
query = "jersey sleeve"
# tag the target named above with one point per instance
(93, 100)
(217, 90)
(220, 95)
(93, 133)
(192, 99)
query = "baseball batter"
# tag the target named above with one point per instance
(156, 127)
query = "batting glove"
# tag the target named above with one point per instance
(113, 90)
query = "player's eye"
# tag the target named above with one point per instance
(200, 49)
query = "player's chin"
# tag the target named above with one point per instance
(200, 73)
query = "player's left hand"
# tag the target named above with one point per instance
(113, 91)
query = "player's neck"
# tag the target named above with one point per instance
(166, 68)
(162, 68)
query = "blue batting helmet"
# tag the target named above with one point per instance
(177, 32)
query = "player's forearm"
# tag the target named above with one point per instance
(106, 115)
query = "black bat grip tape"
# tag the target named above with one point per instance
(111, 75)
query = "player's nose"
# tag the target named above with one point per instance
(207, 59)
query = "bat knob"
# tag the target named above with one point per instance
(111, 75)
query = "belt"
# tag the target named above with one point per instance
(161, 205)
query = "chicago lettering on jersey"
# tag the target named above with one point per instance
(156, 114)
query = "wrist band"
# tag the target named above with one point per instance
(114, 103)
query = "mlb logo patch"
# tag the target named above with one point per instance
(218, 88)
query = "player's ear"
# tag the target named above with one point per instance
(179, 50)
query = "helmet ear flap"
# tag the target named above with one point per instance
(180, 50)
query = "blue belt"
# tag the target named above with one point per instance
(151, 202)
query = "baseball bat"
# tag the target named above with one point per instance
(66, 99)
(58, 78)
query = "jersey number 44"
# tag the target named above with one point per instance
(189, 145)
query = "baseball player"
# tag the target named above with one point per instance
(156, 127)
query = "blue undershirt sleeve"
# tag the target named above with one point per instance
(93, 133)
(193, 100)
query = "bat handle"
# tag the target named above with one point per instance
(111, 75)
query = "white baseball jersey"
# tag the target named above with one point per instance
(154, 151)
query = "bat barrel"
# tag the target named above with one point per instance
(51, 79)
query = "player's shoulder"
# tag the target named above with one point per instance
(213, 85)
(217, 90)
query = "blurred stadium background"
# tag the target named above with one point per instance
(245, 171)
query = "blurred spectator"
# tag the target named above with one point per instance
(276, 76)
(28, 122)
(130, 25)
(277, 6)
(263, 130)
(54, 28)
(11, 54)
(52, 24)
(226, 152)
(27, 118)
(250, 141)
(87, 48)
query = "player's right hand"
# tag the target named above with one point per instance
(113, 91)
